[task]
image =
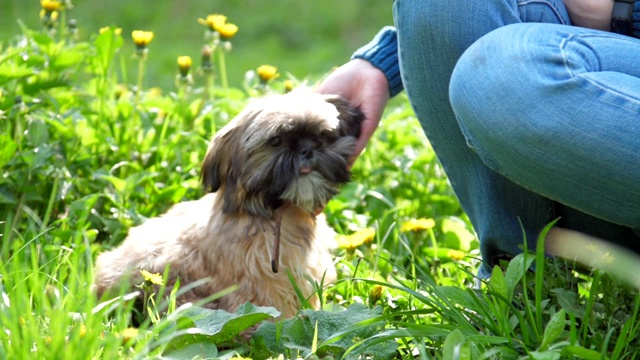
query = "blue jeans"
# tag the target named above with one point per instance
(537, 120)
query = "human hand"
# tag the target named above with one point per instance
(365, 87)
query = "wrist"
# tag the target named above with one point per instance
(382, 53)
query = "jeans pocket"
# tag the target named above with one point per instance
(544, 11)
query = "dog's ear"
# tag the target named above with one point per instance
(350, 117)
(223, 161)
(217, 162)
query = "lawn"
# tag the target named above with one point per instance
(97, 137)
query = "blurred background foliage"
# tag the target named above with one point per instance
(299, 37)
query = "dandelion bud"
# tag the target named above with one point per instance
(267, 72)
(288, 86)
(207, 64)
(226, 46)
(375, 294)
(72, 24)
(184, 65)
(141, 39)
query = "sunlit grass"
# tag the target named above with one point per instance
(86, 155)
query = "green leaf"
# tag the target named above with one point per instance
(569, 301)
(554, 329)
(457, 236)
(37, 132)
(582, 352)
(452, 348)
(497, 283)
(8, 148)
(458, 296)
(10, 71)
(547, 355)
(107, 43)
(337, 332)
(192, 351)
(518, 266)
(206, 326)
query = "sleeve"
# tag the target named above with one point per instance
(635, 27)
(382, 52)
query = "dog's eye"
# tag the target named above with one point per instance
(275, 141)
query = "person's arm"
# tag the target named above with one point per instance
(593, 14)
(368, 81)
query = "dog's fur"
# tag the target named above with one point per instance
(284, 154)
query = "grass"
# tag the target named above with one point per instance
(86, 153)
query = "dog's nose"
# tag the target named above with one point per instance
(307, 152)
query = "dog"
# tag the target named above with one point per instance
(269, 173)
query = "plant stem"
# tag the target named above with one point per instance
(140, 77)
(223, 70)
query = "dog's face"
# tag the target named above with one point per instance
(281, 149)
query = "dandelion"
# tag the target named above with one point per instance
(150, 278)
(375, 294)
(417, 225)
(49, 18)
(227, 31)
(214, 21)
(128, 335)
(356, 239)
(207, 64)
(83, 330)
(267, 72)
(50, 5)
(141, 39)
(288, 86)
(184, 65)
(116, 31)
(72, 29)
(455, 254)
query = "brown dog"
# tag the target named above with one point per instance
(271, 170)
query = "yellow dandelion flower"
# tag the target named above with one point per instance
(184, 64)
(116, 31)
(50, 5)
(83, 330)
(288, 85)
(151, 278)
(267, 72)
(417, 225)
(128, 335)
(356, 239)
(51, 16)
(22, 321)
(214, 21)
(142, 38)
(227, 31)
(455, 254)
(48, 340)
(155, 92)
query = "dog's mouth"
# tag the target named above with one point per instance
(305, 170)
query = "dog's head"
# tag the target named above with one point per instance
(281, 149)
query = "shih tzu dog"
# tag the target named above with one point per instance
(270, 172)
